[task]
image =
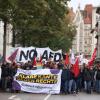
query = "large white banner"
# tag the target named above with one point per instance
(27, 54)
(38, 81)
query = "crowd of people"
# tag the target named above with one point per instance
(88, 78)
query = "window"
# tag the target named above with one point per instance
(85, 14)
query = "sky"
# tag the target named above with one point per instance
(75, 3)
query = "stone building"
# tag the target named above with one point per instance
(78, 42)
(85, 21)
(9, 38)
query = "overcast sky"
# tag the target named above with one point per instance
(75, 3)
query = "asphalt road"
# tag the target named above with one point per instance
(28, 96)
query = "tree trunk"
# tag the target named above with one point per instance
(4, 41)
(13, 39)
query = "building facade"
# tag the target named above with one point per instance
(78, 42)
(8, 38)
(95, 19)
(87, 29)
(85, 21)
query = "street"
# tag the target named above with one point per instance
(28, 96)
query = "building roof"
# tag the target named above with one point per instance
(88, 7)
(88, 14)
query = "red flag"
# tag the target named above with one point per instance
(40, 59)
(34, 61)
(90, 63)
(13, 56)
(75, 68)
(67, 60)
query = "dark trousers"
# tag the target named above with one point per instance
(6, 83)
(62, 86)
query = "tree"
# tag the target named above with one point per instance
(6, 8)
(46, 26)
(37, 23)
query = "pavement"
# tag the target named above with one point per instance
(30, 96)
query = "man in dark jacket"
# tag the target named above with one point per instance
(8, 71)
(4, 75)
(98, 80)
(87, 75)
(65, 77)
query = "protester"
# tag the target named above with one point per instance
(8, 71)
(65, 77)
(72, 78)
(0, 71)
(87, 79)
(0, 74)
(61, 64)
(72, 87)
(98, 79)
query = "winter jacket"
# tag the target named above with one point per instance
(66, 74)
(87, 75)
(98, 75)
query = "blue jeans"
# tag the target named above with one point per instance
(98, 86)
(87, 85)
(72, 86)
(67, 86)
(78, 85)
